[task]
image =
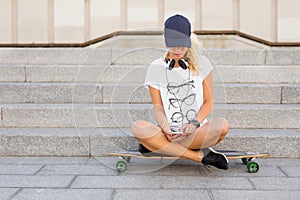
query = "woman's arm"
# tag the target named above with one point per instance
(159, 111)
(208, 98)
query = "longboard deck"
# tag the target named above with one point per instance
(230, 154)
(247, 158)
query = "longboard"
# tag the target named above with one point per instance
(246, 157)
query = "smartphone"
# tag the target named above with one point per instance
(176, 130)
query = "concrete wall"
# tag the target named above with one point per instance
(44, 21)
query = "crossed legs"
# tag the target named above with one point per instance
(151, 136)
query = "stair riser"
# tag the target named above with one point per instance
(136, 93)
(50, 93)
(27, 56)
(241, 116)
(278, 144)
(223, 93)
(136, 74)
(99, 142)
(283, 56)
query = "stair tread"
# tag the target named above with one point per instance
(138, 106)
(126, 132)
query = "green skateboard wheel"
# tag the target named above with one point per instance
(121, 165)
(252, 167)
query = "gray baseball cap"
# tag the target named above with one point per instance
(177, 32)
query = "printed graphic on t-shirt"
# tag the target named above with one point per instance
(181, 91)
(181, 98)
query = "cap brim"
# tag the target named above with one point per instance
(178, 42)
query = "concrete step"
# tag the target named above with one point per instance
(257, 74)
(122, 115)
(223, 93)
(140, 56)
(60, 56)
(51, 73)
(40, 93)
(222, 74)
(239, 56)
(136, 73)
(100, 141)
(136, 93)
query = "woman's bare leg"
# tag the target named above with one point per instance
(153, 139)
(206, 136)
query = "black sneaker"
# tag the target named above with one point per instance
(146, 152)
(214, 158)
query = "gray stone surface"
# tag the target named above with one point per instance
(255, 195)
(77, 170)
(109, 140)
(247, 93)
(49, 82)
(136, 56)
(29, 181)
(54, 56)
(125, 93)
(113, 115)
(291, 171)
(217, 56)
(64, 194)
(38, 115)
(100, 141)
(291, 94)
(236, 56)
(136, 73)
(259, 116)
(238, 169)
(50, 93)
(283, 56)
(19, 169)
(293, 162)
(124, 74)
(65, 73)
(136, 93)
(275, 183)
(223, 93)
(277, 179)
(165, 182)
(256, 74)
(278, 142)
(44, 142)
(74, 115)
(153, 194)
(12, 73)
(6, 193)
(1, 118)
(34, 160)
(239, 56)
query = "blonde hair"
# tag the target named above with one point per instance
(192, 55)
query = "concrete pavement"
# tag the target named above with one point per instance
(96, 178)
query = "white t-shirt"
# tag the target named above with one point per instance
(181, 92)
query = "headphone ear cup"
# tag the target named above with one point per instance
(182, 64)
(171, 64)
(167, 60)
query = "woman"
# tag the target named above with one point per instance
(181, 88)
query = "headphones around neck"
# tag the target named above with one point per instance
(171, 63)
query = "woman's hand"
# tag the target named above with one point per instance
(170, 135)
(188, 129)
